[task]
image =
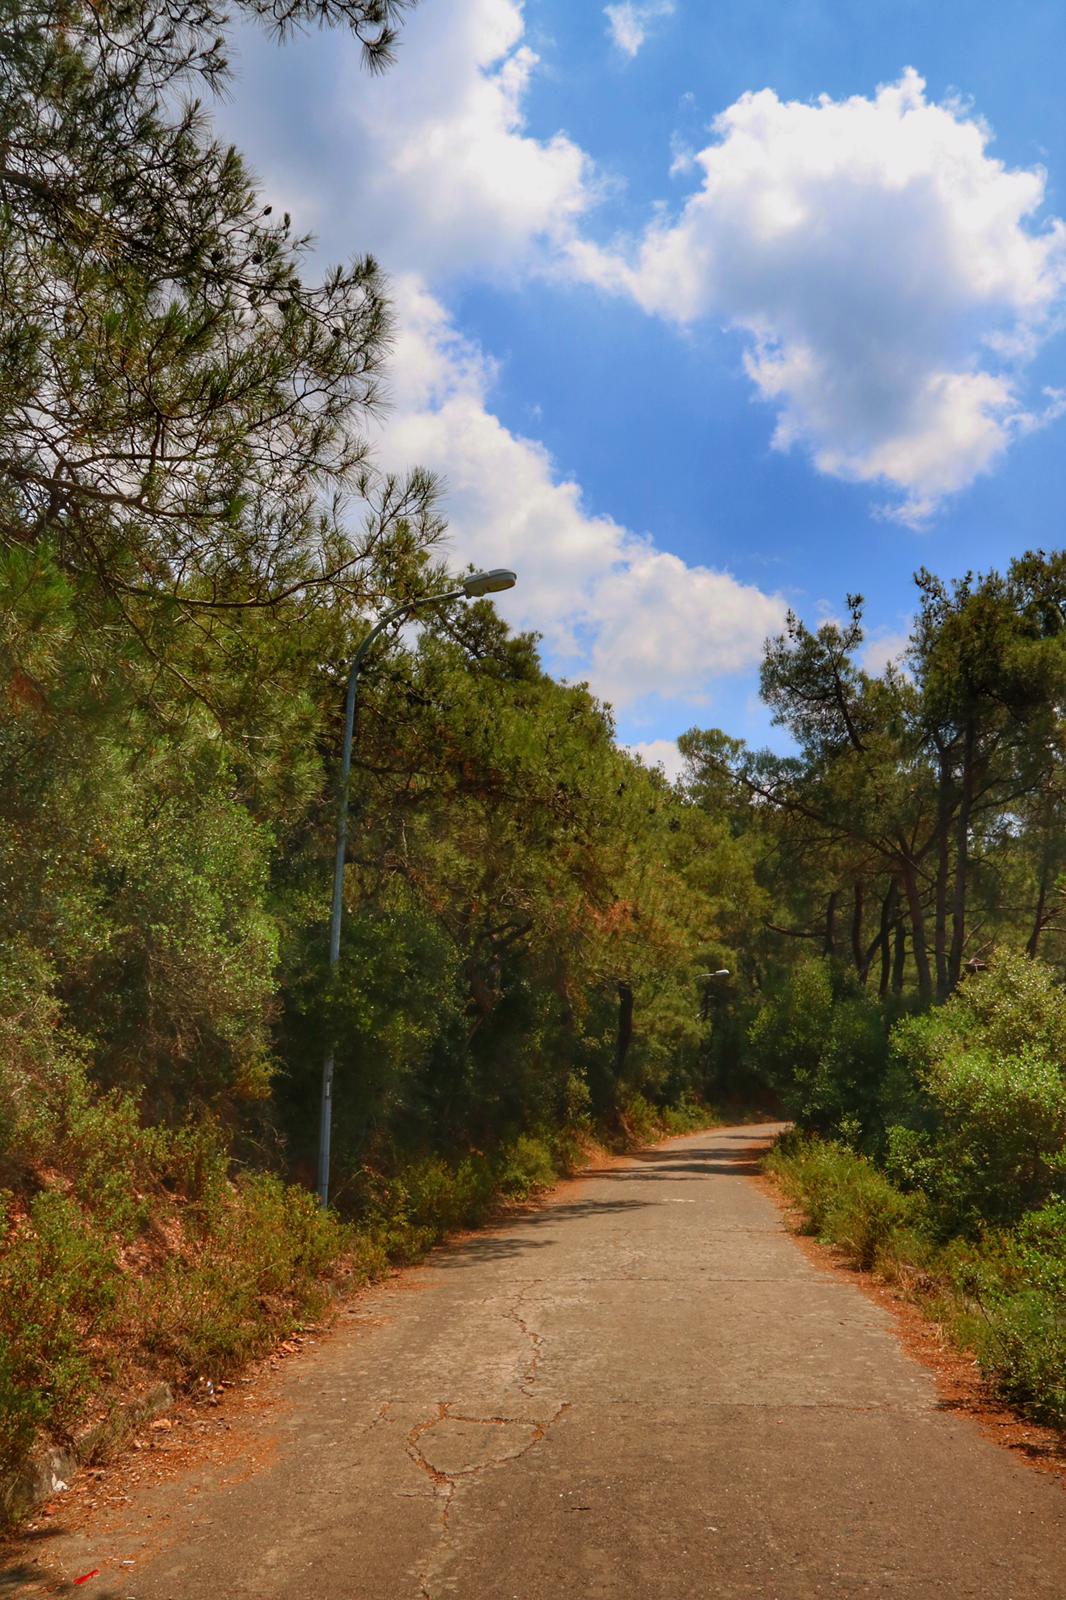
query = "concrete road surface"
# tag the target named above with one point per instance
(643, 1390)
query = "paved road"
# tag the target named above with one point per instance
(644, 1390)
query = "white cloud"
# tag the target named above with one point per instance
(882, 649)
(683, 157)
(886, 271)
(439, 176)
(635, 621)
(630, 21)
(440, 173)
(659, 753)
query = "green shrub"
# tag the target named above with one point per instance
(59, 1287)
(910, 1158)
(526, 1166)
(189, 1161)
(577, 1102)
(640, 1119)
(845, 1199)
(688, 1116)
(1021, 1345)
(1017, 1003)
(440, 1197)
(1003, 1295)
(1015, 1281)
(999, 1150)
(982, 1128)
(788, 1034)
(868, 1214)
(1037, 1251)
(259, 1271)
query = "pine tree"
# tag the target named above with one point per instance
(182, 413)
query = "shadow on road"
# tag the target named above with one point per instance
(713, 1166)
(651, 1166)
(496, 1247)
(714, 1160)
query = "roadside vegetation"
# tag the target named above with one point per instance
(194, 538)
(904, 995)
(954, 1193)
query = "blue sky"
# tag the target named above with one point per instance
(703, 311)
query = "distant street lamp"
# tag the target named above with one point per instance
(706, 1009)
(471, 588)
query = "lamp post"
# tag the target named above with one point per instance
(705, 999)
(471, 588)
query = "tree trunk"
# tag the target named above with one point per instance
(917, 916)
(899, 958)
(888, 912)
(882, 939)
(625, 1028)
(943, 868)
(829, 947)
(856, 933)
(962, 859)
(1039, 919)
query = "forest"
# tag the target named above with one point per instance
(194, 538)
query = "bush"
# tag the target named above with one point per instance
(525, 1167)
(789, 1032)
(845, 1199)
(1016, 1283)
(126, 1243)
(59, 1285)
(999, 1148)
(688, 1116)
(1003, 1296)
(1021, 1346)
(261, 1268)
(984, 1130)
(1018, 1003)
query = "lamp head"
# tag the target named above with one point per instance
(491, 582)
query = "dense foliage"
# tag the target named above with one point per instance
(193, 540)
(901, 989)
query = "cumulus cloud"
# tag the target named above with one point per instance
(440, 177)
(629, 22)
(659, 753)
(441, 174)
(883, 649)
(888, 275)
(634, 620)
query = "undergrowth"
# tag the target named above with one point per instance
(1000, 1293)
(131, 1254)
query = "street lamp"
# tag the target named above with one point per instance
(471, 588)
(705, 998)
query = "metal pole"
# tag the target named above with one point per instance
(325, 1125)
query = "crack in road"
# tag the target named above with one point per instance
(536, 1341)
(446, 1483)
